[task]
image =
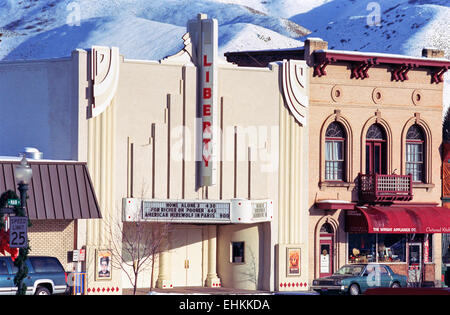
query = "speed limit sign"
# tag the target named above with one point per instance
(18, 237)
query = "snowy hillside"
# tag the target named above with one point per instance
(152, 29)
(142, 29)
(402, 27)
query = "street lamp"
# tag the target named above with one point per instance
(22, 174)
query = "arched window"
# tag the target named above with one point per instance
(335, 152)
(376, 150)
(326, 228)
(415, 153)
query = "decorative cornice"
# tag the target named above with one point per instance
(185, 56)
(295, 88)
(362, 62)
(105, 77)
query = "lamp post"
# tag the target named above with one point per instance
(22, 174)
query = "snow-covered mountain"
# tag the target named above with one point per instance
(142, 29)
(152, 29)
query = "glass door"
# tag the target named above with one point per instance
(326, 256)
(414, 262)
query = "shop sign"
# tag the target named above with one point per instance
(79, 255)
(170, 211)
(324, 263)
(426, 248)
(395, 230)
(443, 229)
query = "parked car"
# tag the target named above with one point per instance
(354, 279)
(45, 276)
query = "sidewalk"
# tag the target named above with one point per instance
(194, 290)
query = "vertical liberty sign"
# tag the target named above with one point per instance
(204, 35)
(208, 95)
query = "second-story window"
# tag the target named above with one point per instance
(415, 153)
(376, 150)
(334, 152)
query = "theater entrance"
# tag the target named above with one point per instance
(186, 256)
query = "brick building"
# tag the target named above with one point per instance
(375, 126)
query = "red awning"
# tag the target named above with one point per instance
(394, 219)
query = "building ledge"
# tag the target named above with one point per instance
(325, 184)
(426, 186)
(331, 204)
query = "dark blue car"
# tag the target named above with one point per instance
(45, 276)
(355, 279)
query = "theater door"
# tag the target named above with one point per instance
(186, 256)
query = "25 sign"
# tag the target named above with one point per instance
(18, 236)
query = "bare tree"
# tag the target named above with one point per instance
(135, 246)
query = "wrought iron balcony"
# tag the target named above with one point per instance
(384, 188)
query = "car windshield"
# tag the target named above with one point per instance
(350, 270)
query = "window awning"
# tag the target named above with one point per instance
(395, 219)
(58, 190)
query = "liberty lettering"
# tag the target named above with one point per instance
(206, 110)
(206, 127)
(206, 93)
(205, 61)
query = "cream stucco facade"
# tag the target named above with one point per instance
(144, 145)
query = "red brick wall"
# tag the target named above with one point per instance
(402, 269)
(52, 238)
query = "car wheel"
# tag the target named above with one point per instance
(42, 291)
(354, 289)
(396, 285)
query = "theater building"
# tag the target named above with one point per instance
(200, 145)
(375, 138)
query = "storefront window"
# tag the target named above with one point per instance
(428, 246)
(391, 248)
(361, 248)
(446, 248)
